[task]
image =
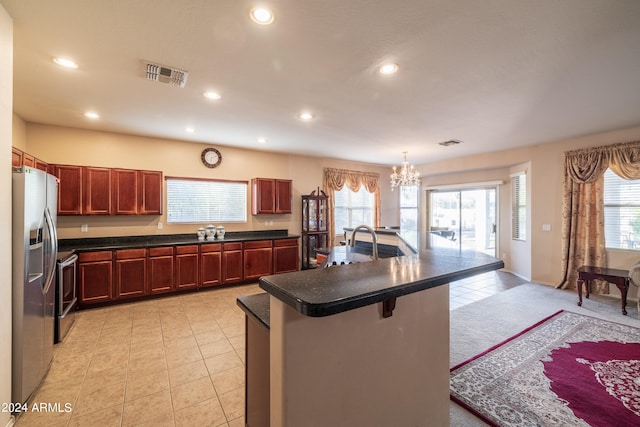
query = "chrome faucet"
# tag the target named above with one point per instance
(374, 242)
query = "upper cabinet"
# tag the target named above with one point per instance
(87, 190)
(20, 158)
(270, 196)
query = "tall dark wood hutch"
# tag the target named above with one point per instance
(315, 226)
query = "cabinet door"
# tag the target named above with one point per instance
(186, 267)
(150, 193)
(16, 157)
(70, 189)
(211, 268)
(28, 160)
(95, 274)
(258, 259)
(283, 196)
(97, 191)
(232, 262)
(161, 270)
(130, 273)
(43, 166)
(125, 192)
(263, 193)
(285, 255)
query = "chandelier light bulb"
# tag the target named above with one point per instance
(407, 175)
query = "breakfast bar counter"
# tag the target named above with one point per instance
(365, 343)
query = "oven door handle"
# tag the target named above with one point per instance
(68, 261)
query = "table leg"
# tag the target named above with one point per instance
(624, 287)
(579, 284)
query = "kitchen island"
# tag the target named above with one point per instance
(365, 343)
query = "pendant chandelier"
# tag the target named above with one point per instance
(407, 175)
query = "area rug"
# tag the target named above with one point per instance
(566, 370)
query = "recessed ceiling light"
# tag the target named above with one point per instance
(66, 63)
(212, 95)
(261, 15)
(190, 130)
(262, 140)
(92, 115)
(305, 116)
(388, 68)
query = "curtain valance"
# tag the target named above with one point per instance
(587, 165)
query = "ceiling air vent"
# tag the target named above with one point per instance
(449, 142)
(168, 75)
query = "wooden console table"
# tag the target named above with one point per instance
(620, 278)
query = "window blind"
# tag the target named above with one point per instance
(621, 212)
(519, 207)
(353, 208)
(195, 201)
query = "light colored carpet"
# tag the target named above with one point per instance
(483, 324)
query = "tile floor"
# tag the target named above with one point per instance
(175, 361)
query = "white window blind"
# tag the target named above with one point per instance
(409, 207)
(621, 212)
(206, 201)
(353, 208)
(519, 207)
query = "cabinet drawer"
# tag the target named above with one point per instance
(191, 249)
(233, 246)
(285, 242)
(131, 253)
(211, 247)
(164, 251)
(257, 245)
(94, 256)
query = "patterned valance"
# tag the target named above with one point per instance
(587, 165)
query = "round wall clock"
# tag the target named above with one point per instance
(211, 157)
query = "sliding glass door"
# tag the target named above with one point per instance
(464, 219)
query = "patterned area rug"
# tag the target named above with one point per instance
(566, 370)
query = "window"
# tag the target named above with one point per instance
(409, 207)
(621, 212)
(353, 208)
(196, 200)
(519, 207)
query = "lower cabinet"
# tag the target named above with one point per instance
(258, 259)
(210, 264)
(232, 262)
(186, 267)
(285, 255)
(95, 277)
(130, 273)
(161, 271)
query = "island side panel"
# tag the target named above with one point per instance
(357, 368)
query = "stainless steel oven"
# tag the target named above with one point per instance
(65, 304)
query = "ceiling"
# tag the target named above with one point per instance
(496, 74)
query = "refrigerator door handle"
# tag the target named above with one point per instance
(53, 253)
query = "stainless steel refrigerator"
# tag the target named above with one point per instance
(35, 247)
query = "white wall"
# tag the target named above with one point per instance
(6, 115)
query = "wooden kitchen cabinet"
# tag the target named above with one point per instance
(95, 277)
(161, 271)
(150, 193)
(125, 192)
(270, 196)
(28, 160)
(210, 264)
(16, 157)
(130, 273)
(20, 158)
(97, 191)
(232, 262)
(186, 267)
(70, 189)
(285, 255)
(258, 259)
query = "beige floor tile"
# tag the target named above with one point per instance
(141, 386)
(203, 414)
(114, 375)
(151, 407)
(238, 422)
(189, 394)
(43, 419)
(223, 362)
(96, 399)
(233, 330)
(163, 421)
(180, 357)
(213, 334)
(108, 417)
(238, 342)
(215, 348)
(151, 365)
(181, 343)
(141, 351)
(233, 403)
(202, 327)
(188, 372)
(228, 380)
(155, 339)
(109, 359)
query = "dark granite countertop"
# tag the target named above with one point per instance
(326, 291)
(131, 242)
(256, 306)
